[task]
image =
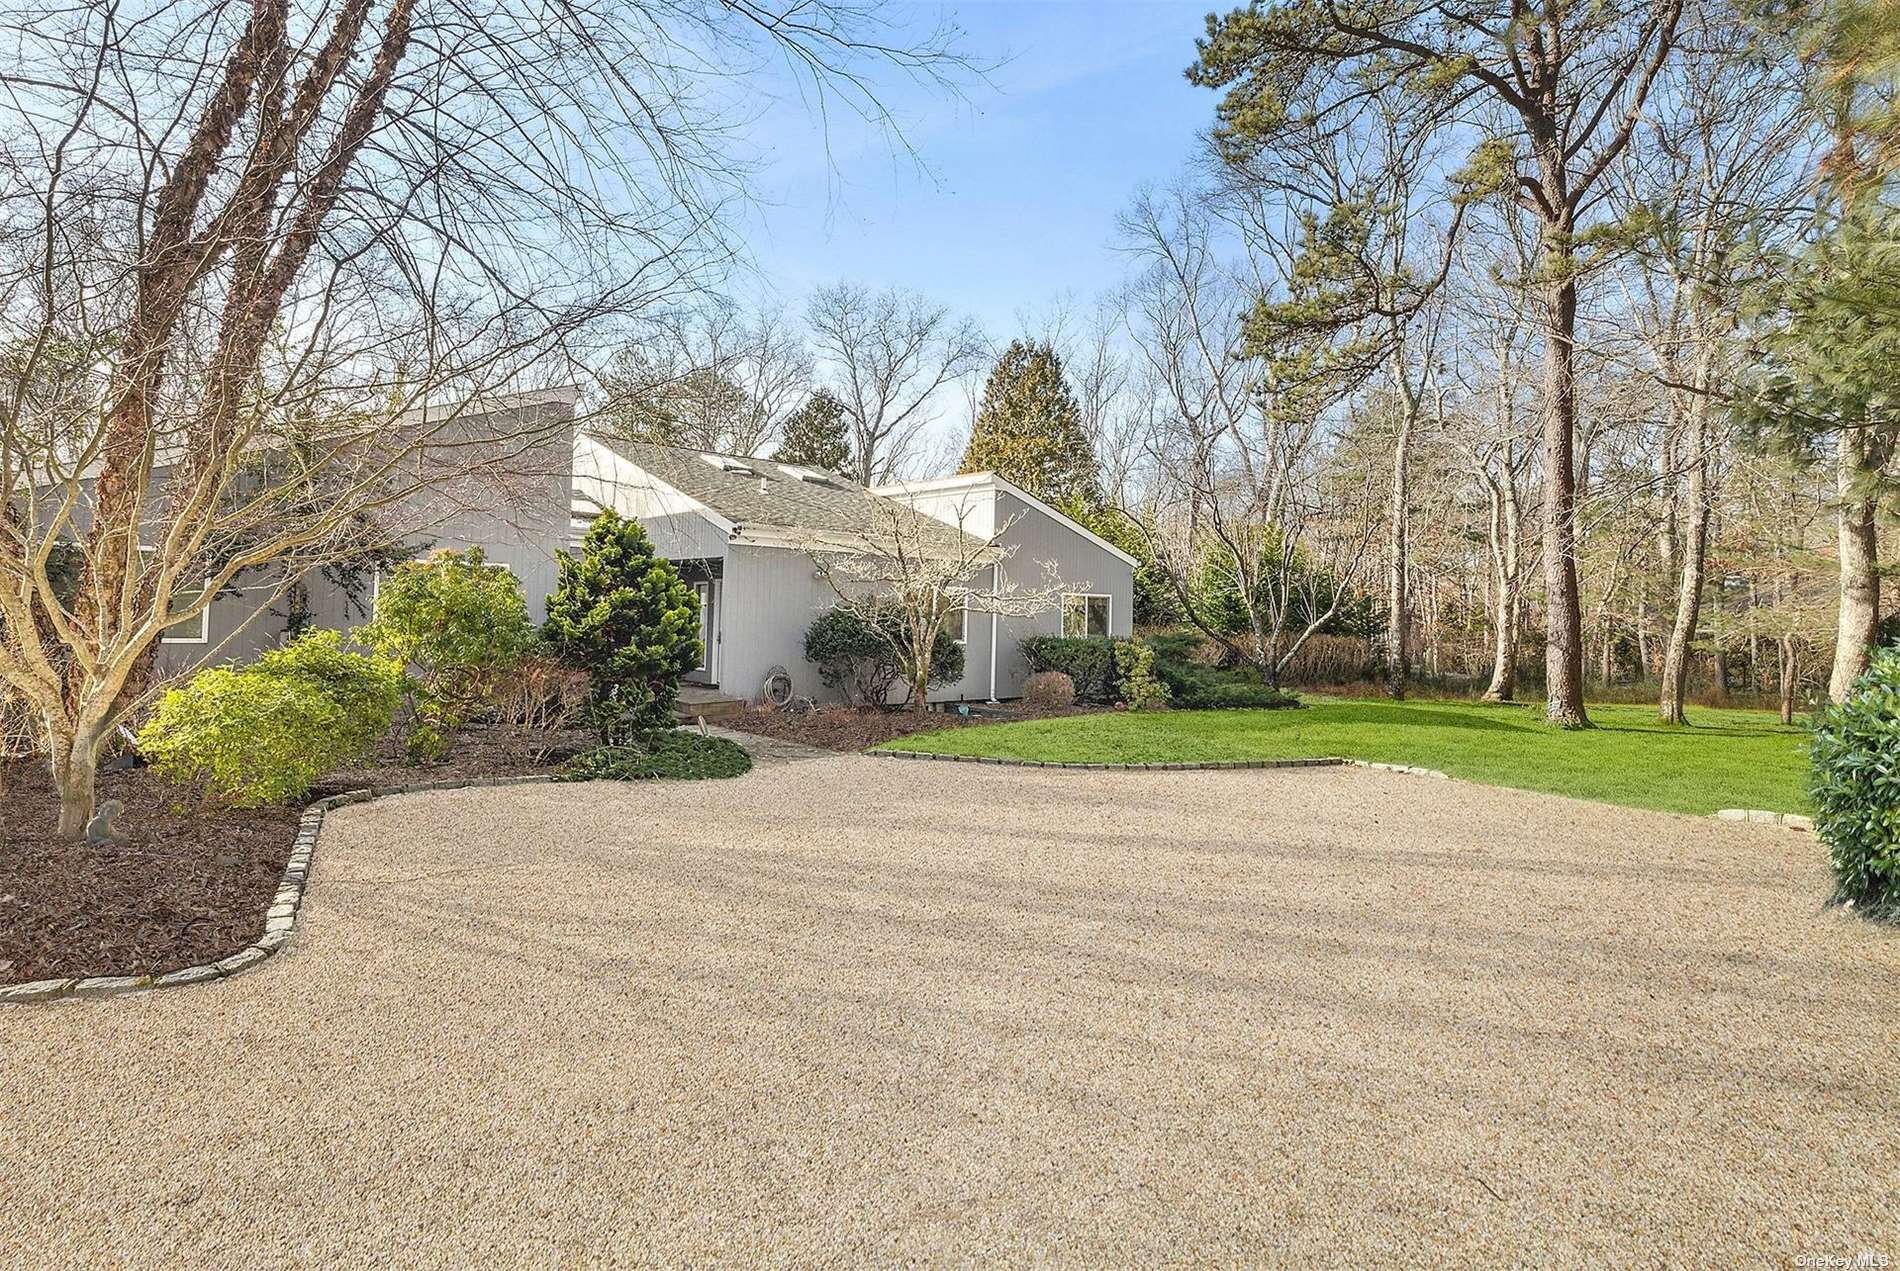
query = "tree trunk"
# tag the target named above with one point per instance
(1787, 678)
(1398, 666)
(1504, 565)
(1695, 553)
(1860, 574)
(1563, 652)
(76, 775)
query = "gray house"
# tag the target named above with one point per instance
(740, 529)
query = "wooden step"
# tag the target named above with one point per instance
(709, 704)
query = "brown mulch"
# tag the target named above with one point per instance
(189, 887)
(476, 752)
(192, 884)
(847, 728)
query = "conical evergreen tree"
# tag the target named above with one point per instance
(815, 435)
(1029, 430)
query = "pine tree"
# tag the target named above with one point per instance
(815, 435)
(1029, 430)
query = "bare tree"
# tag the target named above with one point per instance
(1711, 182)
(1554, 89)
(709, 376)
(239, 241)
(889, 354)
(1242, 498)
(920, 570)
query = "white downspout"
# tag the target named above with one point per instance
(996, 589)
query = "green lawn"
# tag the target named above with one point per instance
(1723, 759)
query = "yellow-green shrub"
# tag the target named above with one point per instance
(243, 739)
(265, 733)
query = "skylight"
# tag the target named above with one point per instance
(726, 463)
(809, 475)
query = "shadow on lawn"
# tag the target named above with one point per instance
(1417, 715)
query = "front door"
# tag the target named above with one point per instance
(707, 672)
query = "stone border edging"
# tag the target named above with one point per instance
(1204, 765)
(280, 920)
(1793, 820)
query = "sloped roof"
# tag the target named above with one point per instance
(764, 496)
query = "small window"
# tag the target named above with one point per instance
(196, 630)
(809, 476)
(956, 621)
(1084, 615)
(193, 630)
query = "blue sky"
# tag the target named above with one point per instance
(1014, 205)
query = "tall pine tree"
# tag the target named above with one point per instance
(815, 435)
(1029, 430)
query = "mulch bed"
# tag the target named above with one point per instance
(192, 884)
(847, 728)
(476, 752)
(189, 887)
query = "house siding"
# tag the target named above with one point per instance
(520, 527)
(1081, 565)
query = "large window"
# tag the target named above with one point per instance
(1084, 615)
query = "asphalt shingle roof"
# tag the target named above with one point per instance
(764, 495)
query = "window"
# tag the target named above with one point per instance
(726, 463)
(193, 630)
(956, 621)
(1084, 615)
(196, 630)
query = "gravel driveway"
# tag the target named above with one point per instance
(854, 1010)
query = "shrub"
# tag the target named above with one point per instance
(543, 694)
(245, 739)
(459, 624)
(1135, 678)
(673, 754)
(367, 689)
(1331, 659)
(1049, 690)
(1219, 695)
(1195, 685)
(622, 614)
(860, 658)
(1088, 661)
(1855, 787)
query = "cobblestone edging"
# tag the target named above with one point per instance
(1202, 766)
(1792, 820)
(280, 920)
(1331, 761)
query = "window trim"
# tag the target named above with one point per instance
(1108, 614)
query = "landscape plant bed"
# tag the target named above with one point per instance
(192, 884)
(188, 887)
(848, 729)
(474, 752)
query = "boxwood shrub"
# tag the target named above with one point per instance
(1087, 660)
(1855, 788)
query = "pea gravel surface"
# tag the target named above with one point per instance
(849, 1010)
